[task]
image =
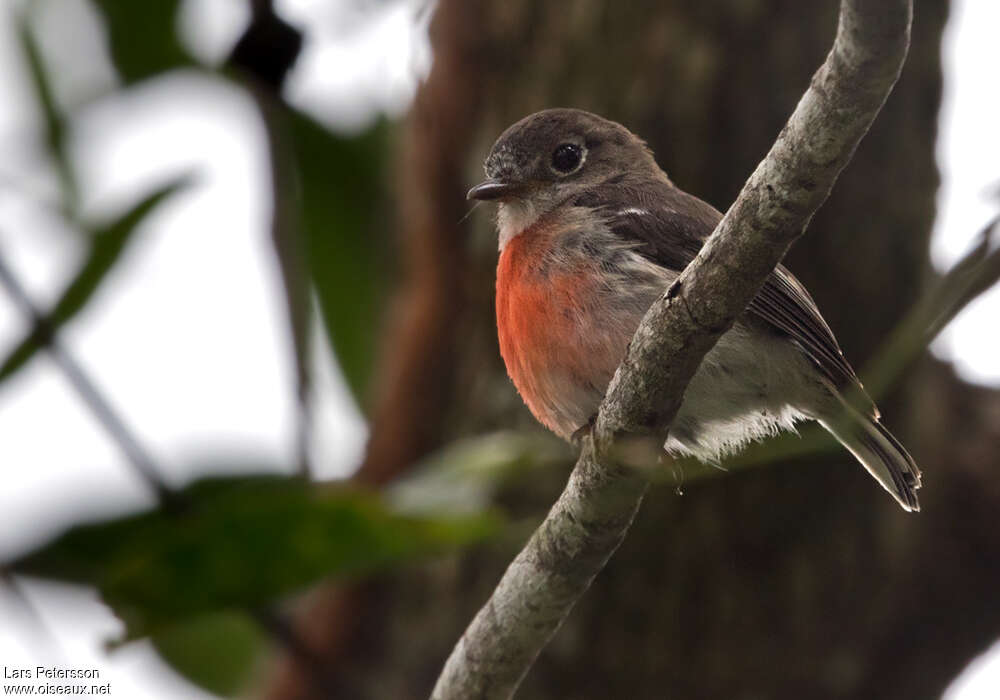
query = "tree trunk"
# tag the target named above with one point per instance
(792, 580)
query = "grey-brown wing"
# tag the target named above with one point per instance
(670, 229)
(786, 305)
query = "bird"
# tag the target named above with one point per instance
(591, 232)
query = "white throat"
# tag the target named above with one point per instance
(513, 217)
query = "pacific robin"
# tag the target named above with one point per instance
(591, 232)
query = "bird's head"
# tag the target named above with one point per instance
(551, 157)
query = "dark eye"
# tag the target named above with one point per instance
(566, 157)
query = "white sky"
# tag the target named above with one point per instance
(188, 335)
(969, 155)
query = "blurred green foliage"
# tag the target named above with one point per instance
(187, 576)
(191, 575)
(340, 181)
(55, 123)
(340, 186)
(106, 246)
(143, 37)
(466, 476)
(240, 543)
(217, 651)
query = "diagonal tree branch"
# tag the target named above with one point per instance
(590, 519)
(138, 457)
(970, 277)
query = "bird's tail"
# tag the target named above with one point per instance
(878, 451)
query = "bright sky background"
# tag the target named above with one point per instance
(188, 336)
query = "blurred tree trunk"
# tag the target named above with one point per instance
(793, 580)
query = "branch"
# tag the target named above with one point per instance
(973, 275)
(138, 457)
(263, 56)
(590, 519)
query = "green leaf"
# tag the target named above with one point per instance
(217, 651)
(240, 543)
(143, 37)
(465, 476)
(341, 186)
(55, 124)
(107, 245)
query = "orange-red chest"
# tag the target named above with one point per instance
(545, 302)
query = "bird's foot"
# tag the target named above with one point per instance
(583, 431)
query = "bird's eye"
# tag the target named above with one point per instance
(566, 158)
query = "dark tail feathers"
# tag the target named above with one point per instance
(880, 453)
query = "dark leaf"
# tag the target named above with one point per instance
(55, 124)
(240, 543)
(217, 651)
(143, 37)
(341, 185)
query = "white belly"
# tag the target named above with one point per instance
(751, 385)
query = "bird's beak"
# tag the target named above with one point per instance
(494, 189)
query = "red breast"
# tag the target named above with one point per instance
(539, 311)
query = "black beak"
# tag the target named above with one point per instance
(494, 189)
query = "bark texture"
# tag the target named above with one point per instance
(797, 580)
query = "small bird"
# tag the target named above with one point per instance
(591, 233)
